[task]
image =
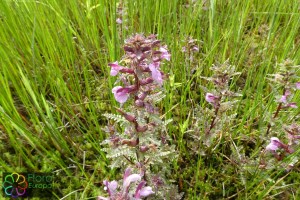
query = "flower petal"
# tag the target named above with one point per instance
(131, 178)
(146, 191)
(156, 75)
(121, 94)
(113, 72)
(283, 99)
(112, 186)
(164, 53)
(274, 144)
(115, 68)
(126, 173)
(298, 85)
(115, 89)
(210, 98)
(119, 21)
(271, 147)
(138, 189)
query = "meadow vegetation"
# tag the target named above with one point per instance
(230, 87)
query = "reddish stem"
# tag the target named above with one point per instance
(213, 123)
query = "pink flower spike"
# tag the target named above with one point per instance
(115, 68)
(165, 54)
(121, 94)
(298, 85)
(156, 74)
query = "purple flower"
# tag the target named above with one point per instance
(292, 105)
(126, 173)
(283, 98)
(210, 98)
(115, 68)
(144, 148)
(298, 85)
(146, 191)
(164, 53)
(156, 74)
(121, 94)
(110, 187)
(128, 180)
(195, 48)
(142, 191)
(119, 21)
(275, 144)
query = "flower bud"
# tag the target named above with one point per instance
(132, 142)
(143, 149)
(155, 43)
(146, 81)
(126, 70)
(128, 49)
(141, 129)
(128, 117)
(146, 48)
(143, 96)
(139, 103)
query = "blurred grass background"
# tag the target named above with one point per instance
(55, 84)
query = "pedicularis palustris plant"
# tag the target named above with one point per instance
(217, 118)
(284, 84)
(138, 139)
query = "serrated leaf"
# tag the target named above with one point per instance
(115, 117)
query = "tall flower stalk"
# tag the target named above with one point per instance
(219, 97)
(286, 81)
(138, 138)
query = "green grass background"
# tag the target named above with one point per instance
(55, 85)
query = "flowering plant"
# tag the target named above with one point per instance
(216, 117)
(139, 136)
(283, 81)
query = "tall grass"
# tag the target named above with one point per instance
(55, 85)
